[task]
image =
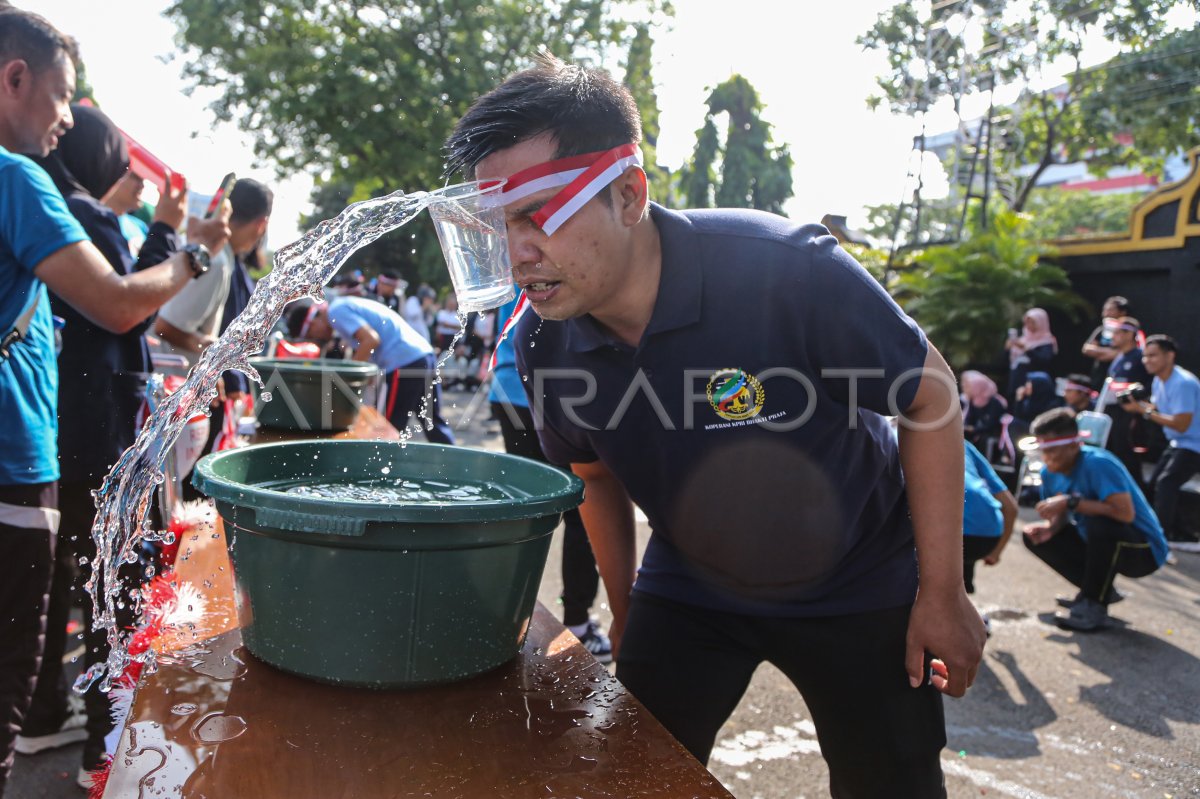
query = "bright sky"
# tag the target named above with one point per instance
(801, 57)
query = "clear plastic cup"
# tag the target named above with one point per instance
(470, 226)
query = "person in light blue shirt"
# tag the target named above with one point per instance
(1096, 523)
(1175, 402)
(378, 334)
(989, 511)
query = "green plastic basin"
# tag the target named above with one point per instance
(312, 393)
(385, 595)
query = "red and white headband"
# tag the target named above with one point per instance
(1062, 442)
(1079, 387)
(582, 176)
(313, 310)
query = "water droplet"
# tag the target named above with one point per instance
(266, 396)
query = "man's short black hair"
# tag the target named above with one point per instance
(389, 274)
(1082, 380)
(250, 200)
(32, 39)
(1055, 423)
(1119, 301)
(1166, 343)
(584, 110)
(296, 314)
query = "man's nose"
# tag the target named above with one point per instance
(522, 249)
(68, 120)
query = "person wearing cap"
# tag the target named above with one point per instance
(43, 246)
(1174, 405)
(1099, 346)
(379, 335)
(418, 310)
(1078, 393)
(693, 363)
(1096, 522)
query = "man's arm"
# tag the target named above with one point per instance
(366, 341)
(1118, 507)
(79, 274)
(943, 622)
(1179, 422)
(181, 339)
(608, 517)
(1009, 510)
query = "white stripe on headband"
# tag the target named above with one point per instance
(582, 176)
(309, 317)
(1060, 442)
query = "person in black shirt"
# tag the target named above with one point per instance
(1099, 346)
(1126, 369)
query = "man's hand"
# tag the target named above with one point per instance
(993, 557)
(172, 206)
(1053, 508)
(1039, 532)
(212, 233)
(945, 624)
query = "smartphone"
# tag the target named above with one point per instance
(222, 192)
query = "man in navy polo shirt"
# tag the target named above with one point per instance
(728, 371)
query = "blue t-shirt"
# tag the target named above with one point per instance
(1098, 475)
(34, 224)
(1180, 394)
(506, 380)
(982, 515)
(767, 493)
(399, 344)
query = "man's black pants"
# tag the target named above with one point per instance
(28, 523)
(1176, 466)
(881, 737)
(1111, 548)
(580, 579)
(409, 388)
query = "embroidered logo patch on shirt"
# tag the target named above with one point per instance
(735, 394)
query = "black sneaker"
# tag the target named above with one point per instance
(1069, 602)
(596, 642)
(1084, 616)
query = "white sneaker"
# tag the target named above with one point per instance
(72, 731)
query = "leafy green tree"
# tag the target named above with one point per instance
(966, 295)
(1079, 120)
(641, 85)
(362, 93)
(1057, 213)
(753, 173)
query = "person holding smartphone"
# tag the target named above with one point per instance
(192, 319)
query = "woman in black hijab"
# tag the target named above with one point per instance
(102, 386)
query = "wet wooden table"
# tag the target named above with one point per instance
(216, 723)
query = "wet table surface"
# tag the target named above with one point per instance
(215, 722)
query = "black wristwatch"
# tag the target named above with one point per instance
(1073, 501)
(199, 258)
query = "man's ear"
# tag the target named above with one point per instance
(14, 76)
(633, 195)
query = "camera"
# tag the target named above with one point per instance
(1136, 392)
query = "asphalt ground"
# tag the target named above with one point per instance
(1052, 714)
